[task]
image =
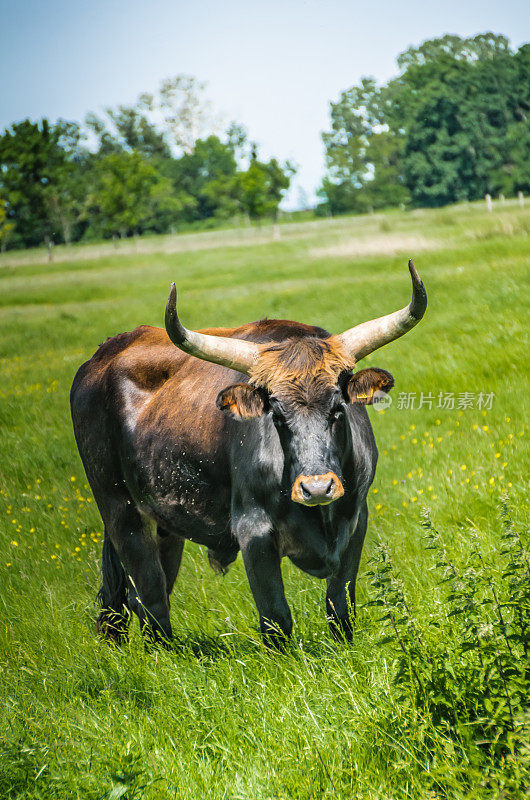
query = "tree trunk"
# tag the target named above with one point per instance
(49, 247)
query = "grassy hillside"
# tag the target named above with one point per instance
(219, 716)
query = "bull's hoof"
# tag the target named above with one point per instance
(274, 637)
(112, 627)
(341, 629)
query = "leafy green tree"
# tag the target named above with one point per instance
(452, 125)
(151, 166)
(457, 130)
(482, 47)
(279, 180)
(127, 194)
(28, 158)
(513, 174)
(40, 179)
(252, 191)
(363, 157)
(262, 186)
(128, 128)
(7, 226)
(385, 186)
(65, 193)
(207, 175)
(237, 138)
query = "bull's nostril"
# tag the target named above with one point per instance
(330, 488)
(305, 491)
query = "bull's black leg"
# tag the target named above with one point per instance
(132, 537)
(337, 610)
(263, 567)
(170, 548)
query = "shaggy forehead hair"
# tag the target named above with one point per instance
(301, 369)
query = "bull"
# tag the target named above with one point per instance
(252, 439)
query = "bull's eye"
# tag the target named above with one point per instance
(278, 420)
(277, 413)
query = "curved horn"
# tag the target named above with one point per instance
(369, 336)
(232, 353)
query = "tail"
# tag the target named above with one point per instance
(113, 592)
(114, 617)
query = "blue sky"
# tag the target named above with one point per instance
(273, 66)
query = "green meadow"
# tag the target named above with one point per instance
(218, 715)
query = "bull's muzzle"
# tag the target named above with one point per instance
(317, 490)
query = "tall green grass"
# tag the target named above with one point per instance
(218, 716)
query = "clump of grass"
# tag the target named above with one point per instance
(463, 672)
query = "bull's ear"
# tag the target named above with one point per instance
(362, 386)
(243, 401)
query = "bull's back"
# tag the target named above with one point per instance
(146, 425)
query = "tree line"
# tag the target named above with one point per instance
(453, 125)
(153, 166)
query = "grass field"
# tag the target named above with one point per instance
(219, 716)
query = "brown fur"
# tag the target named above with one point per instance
(242, 401)
(363, 384)
(301, 368)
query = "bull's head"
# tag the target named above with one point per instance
(304, 384)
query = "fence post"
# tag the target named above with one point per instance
(520, 197)
(489, 204)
